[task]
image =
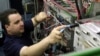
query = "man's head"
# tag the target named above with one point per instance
(12, 22)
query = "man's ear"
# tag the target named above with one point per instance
(6, 27)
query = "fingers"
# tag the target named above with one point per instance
(63, 42)
(49, 18)
(43, 14)
(60, 27)
(58, 37)
(59, 33)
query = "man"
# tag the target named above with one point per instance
(17, 34)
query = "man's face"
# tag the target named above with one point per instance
(16, 25)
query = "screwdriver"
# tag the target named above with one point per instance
(69, 26)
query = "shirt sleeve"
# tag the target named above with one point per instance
(13, 48)
(28, 25)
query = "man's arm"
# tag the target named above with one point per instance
(39, 48)
(35, 49)
(39, 18)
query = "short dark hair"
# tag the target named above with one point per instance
(4, 16)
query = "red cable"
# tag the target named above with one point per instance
(61, 7)
(74, 7)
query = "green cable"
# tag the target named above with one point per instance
(90, 9)
(88, 52)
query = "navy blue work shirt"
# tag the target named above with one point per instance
(13, 44)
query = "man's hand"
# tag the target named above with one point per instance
(41, 17)
(55, 36)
